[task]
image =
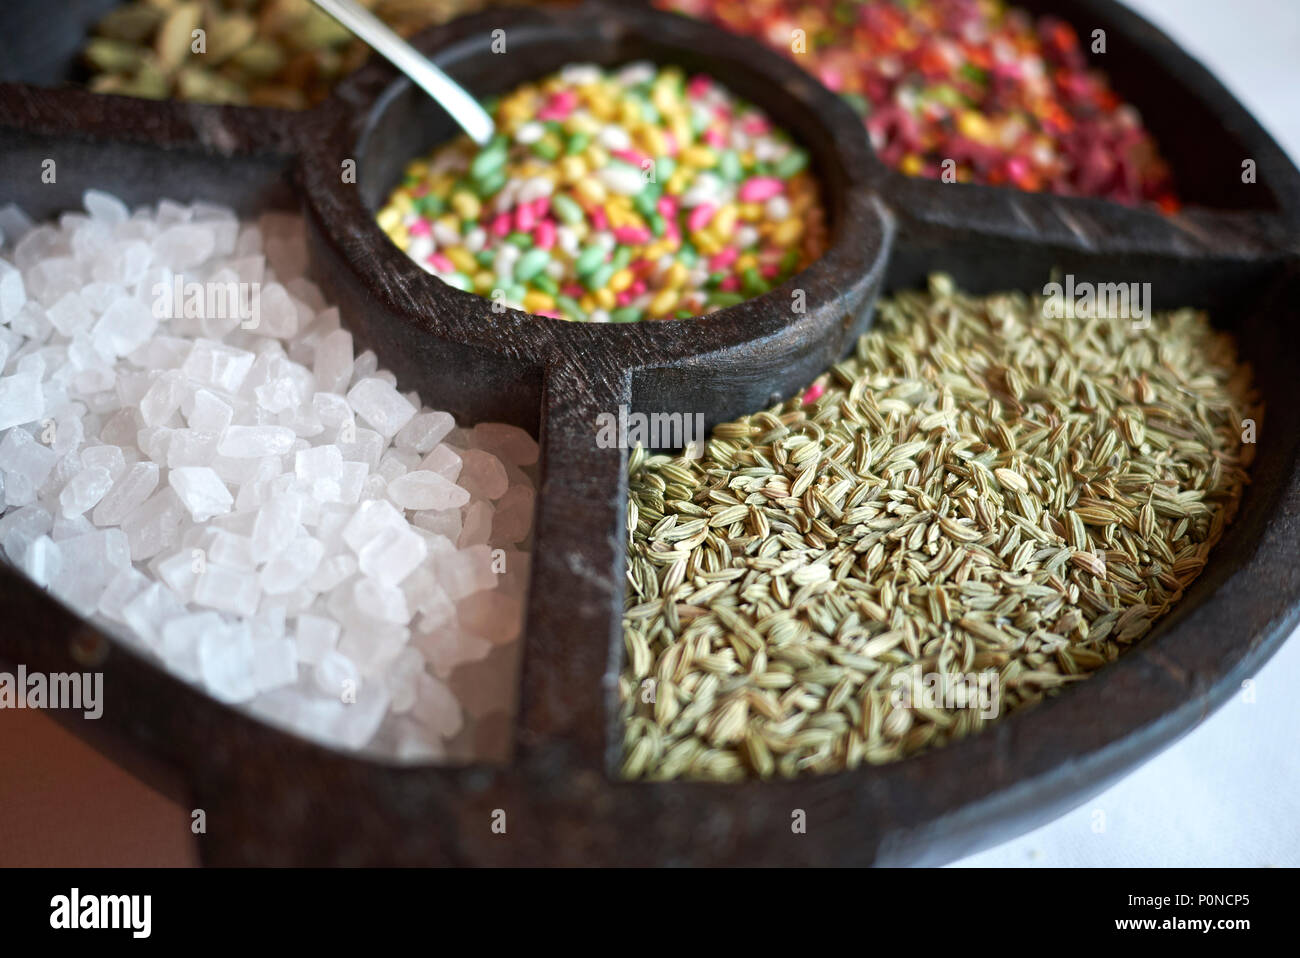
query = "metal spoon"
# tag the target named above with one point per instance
(453, 97)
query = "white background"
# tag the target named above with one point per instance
(1228, 793)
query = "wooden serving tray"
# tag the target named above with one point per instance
(272, 798)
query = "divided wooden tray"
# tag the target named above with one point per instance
(272, 798)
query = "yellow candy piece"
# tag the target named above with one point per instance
(621, 280)
(676, 275)
(663, 303)
(535, 301)
(462, 258)
(466, 205)
(605, 298)
(389, 218)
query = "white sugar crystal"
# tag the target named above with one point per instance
(424, 489)
(209, 412)
(424, 431)
(230, 590)
(13, 292)
(275, 664)
(109, 458)
(277, 566)
(122, 589)
(335, 674)
(392, 554)
(446, 523)
(445, 462)
(124, 326)
(69, 315)
(466, 571)
(371, 518)
(185, 246)
(189, 447)
(21, 399)
(201, 490)
(333, 365)
(180, 571)
(483, 475)
(276, 525)
(105, 207)
(380, 405)
(436, 707)
(317, 635)
(84, 490)
(292, 567)
(248, 442)
(373, 650)
(319, 462)
(132, 488)
(42, 561)
(163, 398)
(22, 457)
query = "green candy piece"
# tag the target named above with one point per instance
(622, 256)
(790, 164)
(430, 205)
(547, 285)
(589, 260)
(522, 240)
(490, 186)
(752, 282)
(688, 255)
(460, 281)
(546, 149)
(566, 209)
(569, 306)
(628, 314)
(657, 224)
(577, 143)
(729, 166)
(600, 278)
(530, 264)
(725, 299)
(488, 162)
(516, 292)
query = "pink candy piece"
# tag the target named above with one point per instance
(813, 393)
(713, 137)
(667, 207)
(544, 234)
(700, 216)
(723, 258)
(698, 86)
(598, 218)
(632, 235)
(756, 189)
(730, 284)
(441, 263)
(501, 225)
(637, 288)
(420, 228)
(524, 219)
(573, 290)
(624, 297)
(542, 207)
(769, 270)
(631, 157)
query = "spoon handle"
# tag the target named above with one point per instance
(453, 97)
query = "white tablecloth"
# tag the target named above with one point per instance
(1229, 792)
